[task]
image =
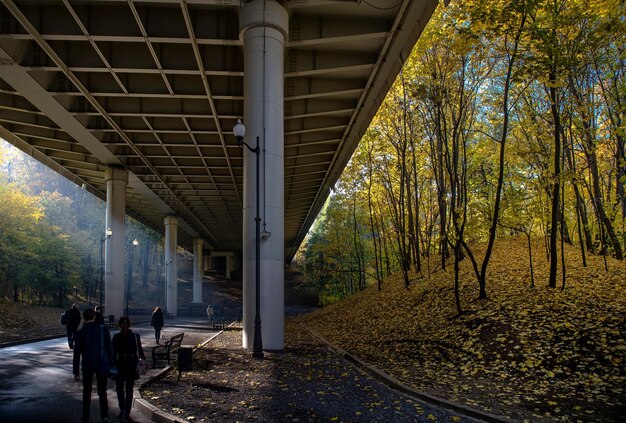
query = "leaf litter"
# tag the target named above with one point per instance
(535, 354)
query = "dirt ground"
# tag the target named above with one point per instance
(305, 383)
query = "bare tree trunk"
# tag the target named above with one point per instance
(563, 272)
(411, 248)
(457, 259)
(599, 206)
(582, 210)
(614, 92)
(387, 260)
(592, 162)
(581, 213)
(430, 227)
(405, 193)
(580, 235)
(398, 208)
(418, 252)
(620, 158)
(530, 258)
(482, 281)
(441, 191)
(375, 235)
(358, 250)
(621, 180)
(554, 222)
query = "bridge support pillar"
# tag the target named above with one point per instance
(171, 270)
(116, 180)
(197, 271)
(264, 25)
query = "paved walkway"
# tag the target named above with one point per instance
(309, 383)
(37, 385)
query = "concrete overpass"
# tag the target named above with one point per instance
(136, 100)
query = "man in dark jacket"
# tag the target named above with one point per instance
(91, 342)
(72, 324)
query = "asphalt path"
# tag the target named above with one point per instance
(37, 385)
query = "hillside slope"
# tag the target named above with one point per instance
(538, 354)
(22, 321)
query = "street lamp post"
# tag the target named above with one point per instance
(107, 234)
(239, 130)
(166, 286)
(129, 279)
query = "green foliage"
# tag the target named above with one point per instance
(50, 233)
(20, 216)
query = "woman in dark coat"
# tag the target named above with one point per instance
(72, 324)
(157, 322)
(127, 350)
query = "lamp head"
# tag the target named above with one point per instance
(239, 130)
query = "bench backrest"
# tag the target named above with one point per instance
(177, 339)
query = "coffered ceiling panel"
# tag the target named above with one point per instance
(156, 86)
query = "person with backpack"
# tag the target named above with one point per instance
(73, 321)
(65, 317)
(99, 316)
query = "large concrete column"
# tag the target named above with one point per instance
(171, 271)
(197, 271)
(116, 180)
(205, 263)
(264, 26)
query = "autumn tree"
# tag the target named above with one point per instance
(492, 128)
(50, 233)
(20, 214)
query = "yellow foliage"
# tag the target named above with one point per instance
(524, 346)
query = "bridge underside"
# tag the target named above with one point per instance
(155, 87)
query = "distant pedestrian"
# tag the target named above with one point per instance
(219, 311)
(99, 316)
(91, 342)
(157, 322)
(209, 312)
(127, 350)
(73, 322)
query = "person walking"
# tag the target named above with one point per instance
(157, 322)
(90, 342)
(127, 350)
(73, 322)
(99, 316)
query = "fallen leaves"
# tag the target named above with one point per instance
(519, 351)
(285, 389)
(19, 322)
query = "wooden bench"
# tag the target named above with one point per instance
(164, 352)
